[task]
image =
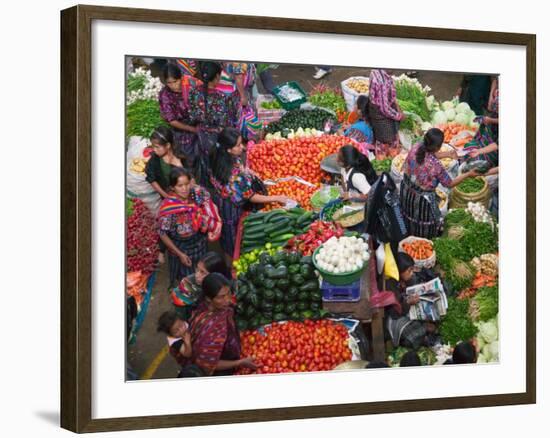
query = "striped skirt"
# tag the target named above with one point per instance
(195, 247)
(420, 210)
(385, 129)
(230, 214)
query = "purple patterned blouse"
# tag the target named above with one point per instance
(427, 175)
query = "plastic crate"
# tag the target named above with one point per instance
(268, 115)
(294, 104)
(349, 293)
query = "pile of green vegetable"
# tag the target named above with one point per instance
(278, 288)
(275, 227)
(426, 355)
(471, 185)
(330, 100)
(484, 306)
(456, 325)
(412, 99)
(271, 104)
(299, 118)
(143, 117)
(382, 165)
(463, 239)
(246, 259)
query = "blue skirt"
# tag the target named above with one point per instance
(230, 214)
(195, 247)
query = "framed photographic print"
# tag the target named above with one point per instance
(258, 212)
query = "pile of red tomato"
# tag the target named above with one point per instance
(294, 157)
(292, 189)
(296, 347)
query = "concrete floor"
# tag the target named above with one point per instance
(149, 349)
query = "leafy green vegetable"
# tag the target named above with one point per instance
(426, 355)
(479, 238)
(143, 117)
(487, 300)
(329, 100)
(129, 207)
(471, 185)
(135, 83)
(458, 216)
(382, 165)
(456, 325)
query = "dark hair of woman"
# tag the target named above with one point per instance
(464, 352)
(166, 321)
(404, 261)
(213, 283)
(363, 105)
(176, 173)
(171, 71)
(433, 139)
(214, 262)
(221, 160)
(208, 71)
(164, 135)
(351, 157)
(410, 359)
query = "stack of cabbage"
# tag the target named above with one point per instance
(453, 111)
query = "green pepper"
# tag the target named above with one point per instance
(310, 286)
(294, 269)
(307, 271)
(278, 273)
(298, 279)
(283, 284)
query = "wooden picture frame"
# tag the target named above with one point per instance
(76, 217)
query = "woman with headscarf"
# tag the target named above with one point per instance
(384, 111)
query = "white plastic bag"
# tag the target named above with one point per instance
(136, 185)
(380, 258)
(350, 95)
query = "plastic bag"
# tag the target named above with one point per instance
(390, 266)
(136, 184)
(380, 258)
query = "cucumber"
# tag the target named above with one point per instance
(271, 228)
(296, 211)
(279, 218)
(273, 213)
(282, 238)
(258, 237)
(253, 229)
(280, 232)
(304, 218)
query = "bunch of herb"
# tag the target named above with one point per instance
(143, 117)
(456, 325)
(486, 302)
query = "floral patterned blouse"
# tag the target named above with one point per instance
(239, 187)
(221, 110)
(427, 175)
(172, 106)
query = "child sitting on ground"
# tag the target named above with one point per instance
(178, 336)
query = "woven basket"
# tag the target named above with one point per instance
(425, 263)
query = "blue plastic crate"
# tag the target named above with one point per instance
(348, 293)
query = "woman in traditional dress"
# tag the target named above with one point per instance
(233, 185)
(174, 108)
(384, 112)
(423, 172)
(214, 336)
(212, 109)
(188, 219)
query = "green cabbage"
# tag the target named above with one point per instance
(447, 105)
(462, 108)
(439, 118)
(450, 114)
(488, 331)
(462, 119)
